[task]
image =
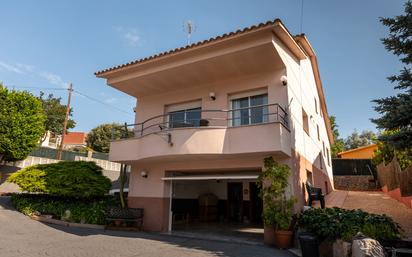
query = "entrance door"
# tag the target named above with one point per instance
(234, 201)
(256, 204)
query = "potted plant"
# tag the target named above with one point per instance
(277, 207)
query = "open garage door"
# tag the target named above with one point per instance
(212, 203)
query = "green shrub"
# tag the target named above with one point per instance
(91, 211)
(78, 179)
(334, 223)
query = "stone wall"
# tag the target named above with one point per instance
(357, 183)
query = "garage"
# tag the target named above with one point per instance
(216, 204)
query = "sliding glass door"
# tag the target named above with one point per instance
(249, 110)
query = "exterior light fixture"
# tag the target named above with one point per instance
(212, 96)
(284, 80)
(144, 174)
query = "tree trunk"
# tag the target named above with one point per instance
(122, 180)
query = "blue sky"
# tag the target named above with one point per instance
(50, 43)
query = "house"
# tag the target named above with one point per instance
(207, 115)
(363, 152)
(74, 139)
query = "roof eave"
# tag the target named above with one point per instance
(303, 42)
(276, 26)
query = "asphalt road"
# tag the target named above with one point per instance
(22, 237)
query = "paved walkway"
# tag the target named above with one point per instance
(23, 237)
(373, 202)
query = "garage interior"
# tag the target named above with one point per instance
(216, 205)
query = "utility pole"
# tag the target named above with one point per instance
(59, 152)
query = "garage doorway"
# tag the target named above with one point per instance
(217, 206)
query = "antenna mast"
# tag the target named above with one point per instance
(189, 28)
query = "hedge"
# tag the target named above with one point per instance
(90, 211)
(335, 223)
(77, 179)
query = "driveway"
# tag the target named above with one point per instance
(23, 237)
(373, 202)
(380, 203)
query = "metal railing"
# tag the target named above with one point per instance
(259, 114)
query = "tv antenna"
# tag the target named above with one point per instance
(189, 28)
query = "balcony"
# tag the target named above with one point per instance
(197, 133)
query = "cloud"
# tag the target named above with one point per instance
(53, 79)
(130, 35)
(27, 69)
(10, 67)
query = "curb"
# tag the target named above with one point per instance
(65, 223)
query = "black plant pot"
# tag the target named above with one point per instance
(308, 244)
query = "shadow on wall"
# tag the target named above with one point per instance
(320, 176)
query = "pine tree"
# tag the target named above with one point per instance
(338, 145)
(396, 111)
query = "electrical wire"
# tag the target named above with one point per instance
(75, 91)
(101, 102)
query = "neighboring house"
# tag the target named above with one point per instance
(210, 112)
(74, 139)
(363, 152)
(45, 141)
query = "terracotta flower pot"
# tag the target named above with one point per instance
(269, 235)
(283, 238)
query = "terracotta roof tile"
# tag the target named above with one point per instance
(75, 138)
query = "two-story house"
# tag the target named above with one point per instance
(207, 114)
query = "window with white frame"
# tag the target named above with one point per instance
(249, 110)
(184, 115)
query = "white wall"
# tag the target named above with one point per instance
(193, 189)
(301, 94)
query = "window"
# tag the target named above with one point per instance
(328, 156)
(185, 118)
(323, 147)
(186, 114)
(244, 112)
(321, 161)
(316, 105)
(305, 121)
(317, 129)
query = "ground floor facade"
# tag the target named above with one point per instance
(183, 193)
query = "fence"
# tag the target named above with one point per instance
(353, 167)
(33, 160)
(393, 177)
(50, 153)
(106, 165)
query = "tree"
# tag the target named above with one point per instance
(396, 114)
(55, 114)
(338, 145)
(386, 152)
(99, 138)
(356, 140)
(21, 124)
